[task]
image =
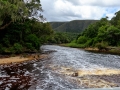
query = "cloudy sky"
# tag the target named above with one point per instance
(67, 10)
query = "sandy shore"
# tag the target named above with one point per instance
(12, 60)
(18, 59)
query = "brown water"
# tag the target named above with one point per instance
(65, 68)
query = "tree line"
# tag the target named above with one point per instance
(101, 34)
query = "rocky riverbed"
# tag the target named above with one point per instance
(14, 73)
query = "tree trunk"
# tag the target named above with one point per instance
(3, 27)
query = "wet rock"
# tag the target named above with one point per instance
(15, 77)
(75, 74)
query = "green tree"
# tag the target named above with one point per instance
(109, 34)
(102, 33)
(34, 40)
(116, 19)
(82, 40)
(14, 10)
(113, 35)
(93, 29)
(30, 35)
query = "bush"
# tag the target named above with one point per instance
(74, 41)
(102, 45)
(17, 48)
(29, 46)
(82, 40)
(9, 50)
(89, 42)
(75, 45)
(32, 38)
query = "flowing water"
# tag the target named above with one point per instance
(71, 68)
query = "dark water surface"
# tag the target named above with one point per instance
(45, 75)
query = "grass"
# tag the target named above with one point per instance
(115, 50)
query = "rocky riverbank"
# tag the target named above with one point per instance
(14, 74)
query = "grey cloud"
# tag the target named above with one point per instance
(78, 9)
(61, 17)
(101, 3)
(74, 2)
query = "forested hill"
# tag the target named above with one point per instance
(75, 26)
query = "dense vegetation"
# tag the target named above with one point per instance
(62, 37)
(75, 26)
(21, 26)
(101, 34)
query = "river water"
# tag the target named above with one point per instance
(58, 71)
(77, 58)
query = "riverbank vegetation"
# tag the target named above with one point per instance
(21, 26)
(104, 34)
(62, 37)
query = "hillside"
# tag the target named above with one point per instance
(75, 26)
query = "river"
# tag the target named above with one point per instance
(71, 68)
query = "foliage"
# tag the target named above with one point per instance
(33, 39)
(82, 40)
(89, 43)
(75, 45)
(62, 37)
(27, 36)
(102, 45)
(29, 46)
(21, 28)
(102, 33)
(17, 48)
(115, 20)
(17, 10)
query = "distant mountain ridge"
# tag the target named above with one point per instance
(75, 26)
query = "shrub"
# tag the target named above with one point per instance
(82, 40)
(9, 50)
(102, 45)
(17, 48)
(75, 45)
(89, 42)
(74, 41)
(29, 46)
(32, 38)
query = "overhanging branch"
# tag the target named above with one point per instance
(3, 27)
